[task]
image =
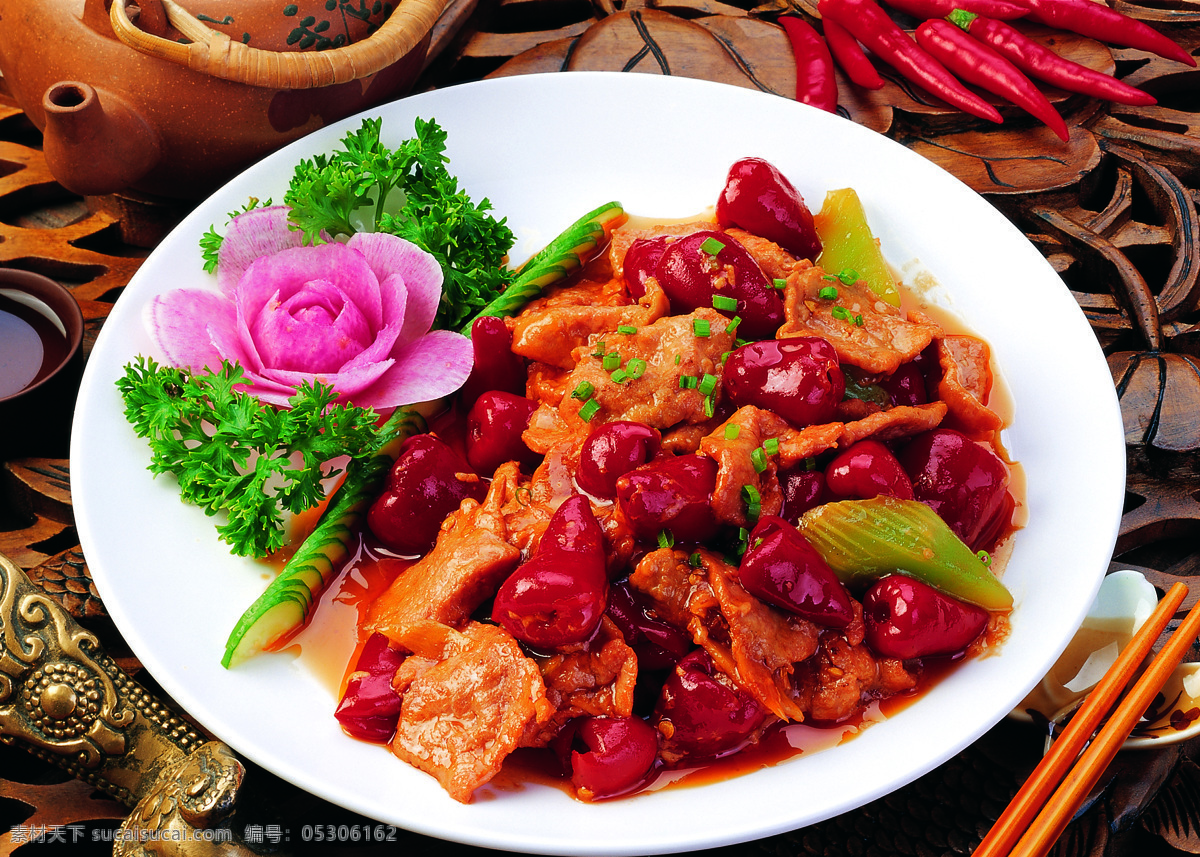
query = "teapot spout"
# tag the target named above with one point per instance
(93, 145)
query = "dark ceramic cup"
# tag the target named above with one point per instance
(41, 363)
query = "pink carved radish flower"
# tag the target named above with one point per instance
(354, 316)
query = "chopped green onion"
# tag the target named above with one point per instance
(738, 343)
(732, 431)
(810, 464)
(620, 376)
(636, 367)
(840, 312)
(827, 293)
(829, 277)
(753, 500)
(858, 320)
(678, 359)
(666, 539)
(612, 360)
(695, 560)
(759, 459)
(779, 283)
(627, 329)
(724, 302)
(707, 384)
(771, 446)
(600, 350)
(732, 327)
(849, 276)
(711, 246)
(583, 391)
(725, 357)
(688, 382)
(700, 327)
(710, 406)
(589, 409)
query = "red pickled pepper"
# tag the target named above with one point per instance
(848, 54)
(1037, 60)
(815, 83)
(976, 63)
(1103, 23)
(868, 23)
(1000, 9)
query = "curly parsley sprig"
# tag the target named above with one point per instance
(232, 453)
(408, 192)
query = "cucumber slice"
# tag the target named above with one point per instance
(284, 608)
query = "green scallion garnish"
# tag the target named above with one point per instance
(589, 409)
(724, 303)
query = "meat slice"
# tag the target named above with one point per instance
(898, 422)
(667, 350)
(471, 700)
(595, 678)
(883, 340)
(549, 334)
(967, 382)
(732, 444)
(775, 262)
(469, 560)
(844, 675)
(808, 442)
(754, 644)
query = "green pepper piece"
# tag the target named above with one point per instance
(864, 540)
(848, 245)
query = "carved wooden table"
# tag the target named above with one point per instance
(1114, 211)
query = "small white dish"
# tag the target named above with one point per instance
(1124, 602)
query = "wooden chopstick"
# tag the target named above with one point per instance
(1037, 790)
(1053, 819)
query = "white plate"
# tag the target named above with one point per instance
(544, 149)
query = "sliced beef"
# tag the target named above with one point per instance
(471, 699)
(471, 557)
(878, 345)
(669, 348)
(754, 644)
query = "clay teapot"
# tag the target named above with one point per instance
(170, 102)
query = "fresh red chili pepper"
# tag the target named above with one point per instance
(1000, 9)
(1098, 21)
(848, 54)
(976, 63)
(815, 83)
(1037, 60)
(868, 23)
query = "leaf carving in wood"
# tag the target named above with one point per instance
(740, 51)
(1174, 816)
(1011, 161)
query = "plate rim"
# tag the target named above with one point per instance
(552, 83)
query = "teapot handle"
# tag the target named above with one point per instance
(214, 53)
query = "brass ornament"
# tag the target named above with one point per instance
(68, 703)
